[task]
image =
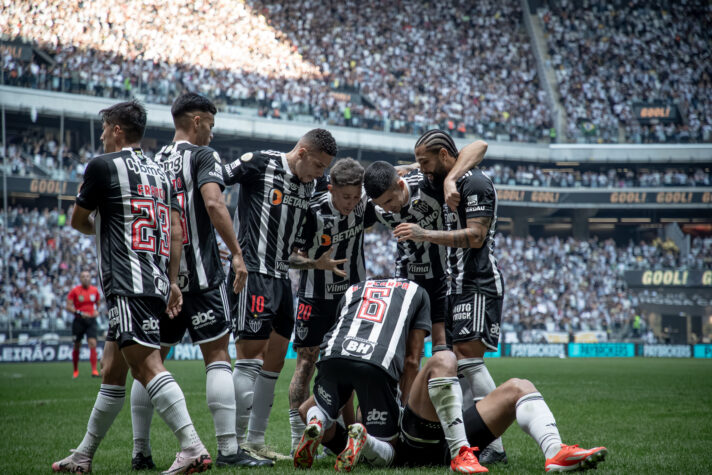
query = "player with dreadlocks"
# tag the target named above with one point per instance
(476, 286)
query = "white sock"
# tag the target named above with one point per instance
(315, 411)
(446, 396)
(481, 383)
(535, 418)
(107, 406)
(141, 415)
(468, 400)
(167, 398)
(297, 425)
(243, 378)
(261, 406)
(220, 394)
(376, 452)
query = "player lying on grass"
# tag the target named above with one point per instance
(434, 430)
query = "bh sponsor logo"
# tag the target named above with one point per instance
(357, 347)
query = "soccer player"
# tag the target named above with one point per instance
(335, 225)
(476, 286)
(127, 200)
(82, 301)
(275, 189)
(431, 432)
(374, 349)
(414, 199)
(197, 177)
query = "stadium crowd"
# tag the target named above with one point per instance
(32, 153)
(391, 65)
(553, 284)
(610, 55)
(407, 60)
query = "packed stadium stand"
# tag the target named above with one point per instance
(553, 284)
(399, 66)
(596, 224)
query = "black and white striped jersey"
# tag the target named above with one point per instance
(419, 260)
(474, 269)
(375, 318)
(271, 209)
(192, 167)
(326, 229)
(133, 197)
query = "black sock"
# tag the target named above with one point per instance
(338, 442)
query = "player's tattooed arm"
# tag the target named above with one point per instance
(300, 261)
(473, 236)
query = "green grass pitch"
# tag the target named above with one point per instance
(655, 416)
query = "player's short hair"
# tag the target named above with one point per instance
(130, 116)
(190, 102)
(346, 172)
(322, 141)
(435, 139)
(379, 177)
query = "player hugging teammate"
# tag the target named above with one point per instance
(156, 224)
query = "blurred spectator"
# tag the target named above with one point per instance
(553, 284)
(609, 55)
(413, 63)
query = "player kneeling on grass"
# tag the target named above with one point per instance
(375, 345)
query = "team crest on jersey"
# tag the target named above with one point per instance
(255, 324)
(81, 298)
(246, 157)
(92, 297)
(302, 332)
(420, 206)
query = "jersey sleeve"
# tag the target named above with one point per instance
(94, 185)
(422, 312)
(209, 168)
(175, 204)
(321, 184)
(370, 216)
(72, 295)
(477, 196)
(248, 167)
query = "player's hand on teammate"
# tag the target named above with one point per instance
(452, 197)
(409, 232)
(238, 266)
(325, 262)
(175, 301)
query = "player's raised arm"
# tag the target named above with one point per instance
(469, 157)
